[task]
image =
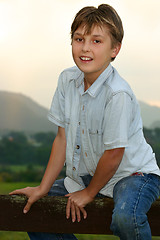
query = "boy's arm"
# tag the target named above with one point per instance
(55, 165)
(56, 161)
(106, 168)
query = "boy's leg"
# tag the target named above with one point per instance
(133, 197)
(58, 189)
(51, 236)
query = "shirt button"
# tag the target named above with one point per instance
(73, 168)
(83, 131)
(86, 154)
(83, 108)
(78, 147)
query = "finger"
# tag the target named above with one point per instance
(28, 206)
(68, 195)
(18, 191)
(68, 209)
(83, 212)
(73, 212)
(78, 213)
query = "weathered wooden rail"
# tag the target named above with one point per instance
(48, 215)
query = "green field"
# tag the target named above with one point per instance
(24, 236)
(5, 188)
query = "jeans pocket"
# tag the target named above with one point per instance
(156, 182)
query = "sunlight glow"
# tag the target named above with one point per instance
(4, 21)
(96, 3)
(154, 103)
(35, 45)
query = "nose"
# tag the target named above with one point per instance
(86, 46)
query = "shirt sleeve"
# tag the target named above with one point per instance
(56, 112)
(117, 121)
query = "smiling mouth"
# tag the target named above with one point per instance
(86, 58)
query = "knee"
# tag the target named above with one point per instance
(126, 224)
(122, 221)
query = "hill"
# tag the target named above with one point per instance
(150, 115)
(21, 113)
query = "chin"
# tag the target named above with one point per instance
(85, 69)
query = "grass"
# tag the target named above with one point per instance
(13, 236)
(17, 168)
(5, 188)
(23, 236)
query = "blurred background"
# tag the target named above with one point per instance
(34, 48)
(35, 45)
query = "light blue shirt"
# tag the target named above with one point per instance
(104, 117)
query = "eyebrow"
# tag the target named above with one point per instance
(95, 35)
(79, 34)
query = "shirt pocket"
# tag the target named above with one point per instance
(96, 141)
(67, 124)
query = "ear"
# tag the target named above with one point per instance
(116, 50)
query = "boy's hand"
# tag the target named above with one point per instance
(76, 203)
(33, 194)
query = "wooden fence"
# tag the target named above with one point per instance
(48, 215)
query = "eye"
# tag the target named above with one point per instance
(97, 41)
(79, 39)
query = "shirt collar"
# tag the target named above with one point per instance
(93, 90)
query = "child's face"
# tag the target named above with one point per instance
(92, 52)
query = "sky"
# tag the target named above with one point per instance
(35, 45)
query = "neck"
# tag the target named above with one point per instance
(89, 80)
(86, 84)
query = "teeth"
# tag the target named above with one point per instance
(85, 58)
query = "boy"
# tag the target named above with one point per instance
(99, 133)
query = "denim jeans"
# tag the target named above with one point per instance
(133, 197)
